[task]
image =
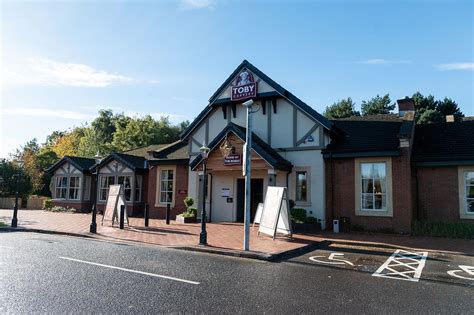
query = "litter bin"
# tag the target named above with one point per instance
(344, 224)
(335, 226)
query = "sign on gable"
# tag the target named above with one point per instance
(233, 159)
(244, 86)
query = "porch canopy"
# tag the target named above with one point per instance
(266, 157)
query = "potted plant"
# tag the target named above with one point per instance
(189, 216)
(303, 223)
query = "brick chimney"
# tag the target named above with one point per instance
(406, 108)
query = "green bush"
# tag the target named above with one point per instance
(189, 213)
(61, 209)
(298, 215)
(444, 229)
(188, 202)
(47, 204)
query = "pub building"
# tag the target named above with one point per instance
(381, 172)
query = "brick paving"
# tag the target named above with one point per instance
(220, 235)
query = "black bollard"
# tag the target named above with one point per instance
(147, 215)
(122, 215)
(168, 209)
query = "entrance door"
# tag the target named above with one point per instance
(256, 196)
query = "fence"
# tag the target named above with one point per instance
(8, 202)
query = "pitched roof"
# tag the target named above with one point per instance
(145, 150)
(81, 163)
(258, 145)
(444, 143)
(378, 117)
(365, 138)
(176, 151)
(278, 88)
(136, 163)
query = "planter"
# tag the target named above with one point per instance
(306, 227)
(181, 219)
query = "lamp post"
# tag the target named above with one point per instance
(15, 207)
(203, 236)
(248, 152)
(93, 226)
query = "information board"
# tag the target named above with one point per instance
(115, 200)
(275, 213)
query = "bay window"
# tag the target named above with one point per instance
(74, 187)
(60, 187)
(138, 188)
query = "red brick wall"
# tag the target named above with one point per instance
(181, 186)
(438, 193)
(340, 195)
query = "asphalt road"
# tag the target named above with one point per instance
(58, 274)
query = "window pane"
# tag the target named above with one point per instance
(379, 186)
(469, 178)
(110, 180)
(164, 174)
(470, 191)
(378, 202)
(470, 205)
(379, 170)
(365, 170)
(169, 197)
(128, 194)
(301, 187)
(367, 201)
(367, 185)
(120, 180)
(163, 186)
(163, 197)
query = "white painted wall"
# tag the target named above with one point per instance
(282, 125)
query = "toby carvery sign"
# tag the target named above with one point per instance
(244, 86)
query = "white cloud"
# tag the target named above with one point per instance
(456, 66)
(45, 112)
(197, 4)
(47, 72)
(377, 61)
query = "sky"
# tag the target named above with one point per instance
(62, 61)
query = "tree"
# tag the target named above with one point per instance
(377, 105)
(430, 110)
(341, 109)
(8, 172)
(68, 143)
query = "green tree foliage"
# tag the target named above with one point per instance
(9, 170)
(341, 109)
(377, 105)
(429, 110)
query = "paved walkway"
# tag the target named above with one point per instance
(224, 236)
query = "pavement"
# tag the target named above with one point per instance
(44, 273)
(224, 238)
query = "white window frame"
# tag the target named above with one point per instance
(158, 201)
(463, 213)
(388, 211)
(76, 188)
(58, 179)
(294, 181)
(106, 188)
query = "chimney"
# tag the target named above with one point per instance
(406, 108)
(449, 118)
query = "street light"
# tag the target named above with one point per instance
(93, 226)
(248, 151)
(15, 207)
(204, 153)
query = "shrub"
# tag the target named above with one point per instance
(47, 204)
(444, 229)
(189, 213)
(188, 202)
(298, 215)
(61, 209)
(291, 202)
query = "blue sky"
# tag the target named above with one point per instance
(63, 61)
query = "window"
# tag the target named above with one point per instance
(469, 184)
(166, 186)
(61, 187)
(138, 187)
(301, 186)
(74, 187)
(105, 182)
(126, 182)
(374, 186)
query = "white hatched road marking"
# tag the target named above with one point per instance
(403, 265)
(130, 270)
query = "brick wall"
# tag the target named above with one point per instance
(340, 195)
(438, 193)
(181, 192)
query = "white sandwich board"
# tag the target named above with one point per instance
(275, 213)
(115, 200)
(258, 214)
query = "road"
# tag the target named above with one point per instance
(59, 274)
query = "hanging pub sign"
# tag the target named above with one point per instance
(233, 159)
(244, 86)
